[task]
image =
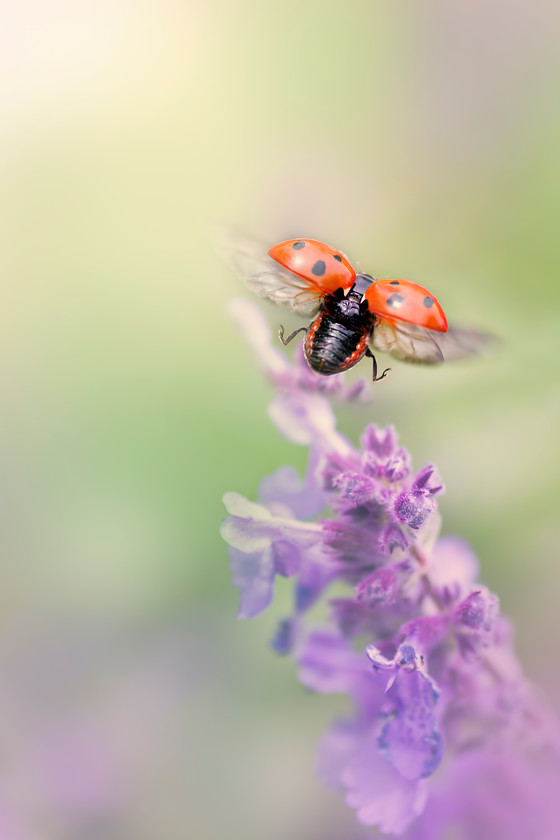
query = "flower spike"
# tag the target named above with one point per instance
(438, 687)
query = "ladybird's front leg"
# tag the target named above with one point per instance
(376, 378)
(292, 335)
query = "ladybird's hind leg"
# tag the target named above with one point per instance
(291, 336)
(376, 378)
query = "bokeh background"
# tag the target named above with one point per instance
(420, 138)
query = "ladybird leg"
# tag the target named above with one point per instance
(292, 335)
(376, 378)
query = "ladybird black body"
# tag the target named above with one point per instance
(340, 334)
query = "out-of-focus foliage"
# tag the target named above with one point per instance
(419, 138)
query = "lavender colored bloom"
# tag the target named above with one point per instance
(445, 733)
(410, 739)
(350, 762)
(263, 546)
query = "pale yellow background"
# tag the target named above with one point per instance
(422, 139)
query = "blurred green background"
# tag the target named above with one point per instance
(421, 139)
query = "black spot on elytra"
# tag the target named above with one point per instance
(319, 268)
(394, 282)
(337, 257)
(298, 246)
(395, 300)
(428, 302)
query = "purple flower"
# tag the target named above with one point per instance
(411, 739)
(445, 732)
(383, 457)
(350, 761)
(414, 505)
(263, 546)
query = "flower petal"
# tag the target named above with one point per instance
(252, 527)
(305, 498)
(253, 575)
(379, 793)
(411, 739)
(329, 665)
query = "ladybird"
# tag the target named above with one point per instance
(354, 314)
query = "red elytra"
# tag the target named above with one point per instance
(403, 300)
(325, 268)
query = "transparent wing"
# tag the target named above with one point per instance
(249, 260)
(411, 343)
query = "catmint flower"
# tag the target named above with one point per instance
(445, 733)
